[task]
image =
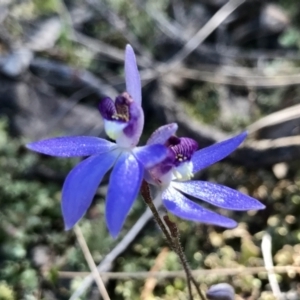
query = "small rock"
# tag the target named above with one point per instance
(17, 62)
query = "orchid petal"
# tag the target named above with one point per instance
(151, 155)
(107, 109)
(212, 154)
(184, 208)
(72, 146)
(132, 76)
(124, 184)
(133, 130)
(162, 134)
(81, 185)
(218, 195)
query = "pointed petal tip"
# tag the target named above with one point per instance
(67, 228)
(35, 146)
(209, 155)
(71, 146)
(218, 195)
(244, 134)
(31, 146)
(224, 222)
(113, 230)
(129, 53)
(113, 234)
(162, 134)
(132, 76)
(68, 225)
(231, 224)
(129, 48)
(174, 126)
(180, 206)
(259, 206)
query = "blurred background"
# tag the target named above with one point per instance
(215, 67)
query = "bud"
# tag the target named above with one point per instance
(220, 291)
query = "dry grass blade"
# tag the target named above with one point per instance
(91, 263)
(152, 281)
(266, 247)
(217, 19)
(107, 262)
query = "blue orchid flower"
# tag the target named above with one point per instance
(123, 122)
(173, 178)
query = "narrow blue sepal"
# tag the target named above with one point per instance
(214, 153)
(72, 146)
(218, 195)
(184, 208)
(124, 185)
(81, 185)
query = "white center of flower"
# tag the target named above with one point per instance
(184, 171)
(114, 129)
(164, 180)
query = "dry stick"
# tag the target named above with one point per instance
(151, 282)
(266, 247)
(242, 271)
(145, 191)
(215, 21)
(121, 26)
(175, 234)
(107, 262)
(91, 263)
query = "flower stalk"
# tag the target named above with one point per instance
(171, 233)
(179, 250)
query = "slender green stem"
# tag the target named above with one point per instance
(179, 250)
(145, 191)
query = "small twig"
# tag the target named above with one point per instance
(72, 101)
(91, 263)
(120, 25)
(172, 29)
(241, 271)
(215, 21)
(107, 262)
(66, 18)
(178, 11)
(60, 74)
(266, 247)
(234, 76)
(151, 282)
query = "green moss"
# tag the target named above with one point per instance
(202, 103)
(6, 292)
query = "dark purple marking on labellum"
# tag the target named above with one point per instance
(116, 111)
(183, 148)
